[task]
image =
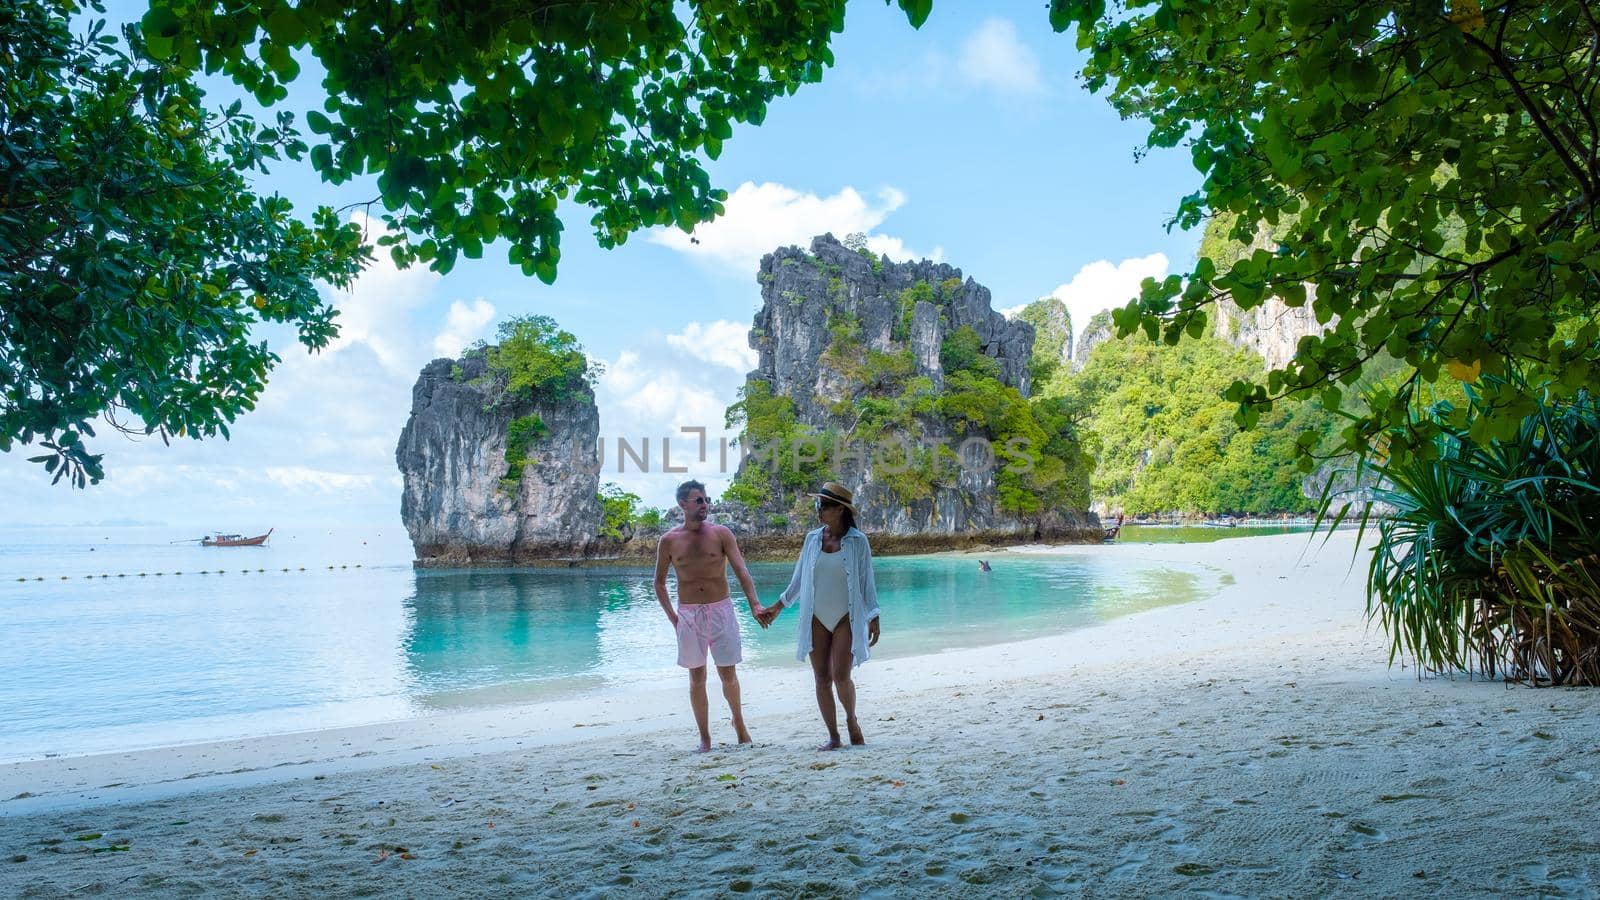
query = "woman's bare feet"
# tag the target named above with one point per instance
(705, 747)
(833, 744)
(856, 738)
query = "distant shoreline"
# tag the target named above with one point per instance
(780, 548)
(774, 548)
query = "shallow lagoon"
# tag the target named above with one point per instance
(94, 664)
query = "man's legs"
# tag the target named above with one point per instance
(839, 661)
(701, 706)
(822, 673)
(730, 692)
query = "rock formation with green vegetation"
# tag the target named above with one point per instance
(1155, 418)
(881, 375)
(499, 456)
(1052, 337)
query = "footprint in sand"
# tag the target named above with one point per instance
(1131, 861)
(1365, 835)
(1561, 882)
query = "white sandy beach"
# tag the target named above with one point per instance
(1255, 743)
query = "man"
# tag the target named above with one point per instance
(700, 552)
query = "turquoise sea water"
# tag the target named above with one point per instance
(351, 634)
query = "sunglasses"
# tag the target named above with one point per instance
(823, 503)
(699, 501)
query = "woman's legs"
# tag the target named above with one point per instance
(840, 659)
(822, 672)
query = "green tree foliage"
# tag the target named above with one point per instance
(1364, 137)
(480, 119)
(535, 360)
(1164, 438)
(134, 258)
(521, 434)
(1039, 463)
(782, 450)
(962, 351)
(623, 514)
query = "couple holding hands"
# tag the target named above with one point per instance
(832, 586)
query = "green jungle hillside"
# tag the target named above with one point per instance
(1164, 439)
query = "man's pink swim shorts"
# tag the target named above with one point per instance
(708, 625)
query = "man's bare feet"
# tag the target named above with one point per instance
(705, 747)
(856, 738)
(744, 737)
(833, 744)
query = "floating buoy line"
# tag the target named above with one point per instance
(166, 574)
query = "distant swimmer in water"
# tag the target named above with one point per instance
(983, 566)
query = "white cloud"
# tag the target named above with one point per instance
(1103, 284)
(929, 73)
(302, 477)
(760, 217)
(896, 249)
(463, 325)
(720, 343)
(376, 310)
(661, 385)
(659, 401)
(993, 57)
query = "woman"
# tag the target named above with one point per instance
(838, 600)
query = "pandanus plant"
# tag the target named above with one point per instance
(1490, 559)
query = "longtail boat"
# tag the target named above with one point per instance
(235, 540)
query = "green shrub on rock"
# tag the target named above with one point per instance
(536, 361)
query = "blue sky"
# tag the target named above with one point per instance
(970, 141)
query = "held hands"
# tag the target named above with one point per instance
(765, 614)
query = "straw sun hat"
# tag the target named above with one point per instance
(838, 493)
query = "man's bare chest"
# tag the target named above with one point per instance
(697, 553)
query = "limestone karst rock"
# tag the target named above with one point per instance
(806, 297)
(458, 506)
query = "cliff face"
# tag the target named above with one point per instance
(458, 506)
(904, 311)
(1272, 330)
(800, 290)
(1095, 332)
